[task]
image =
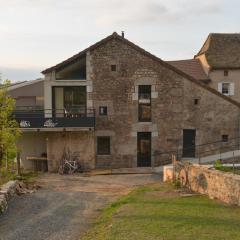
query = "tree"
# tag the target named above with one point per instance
(9, 130)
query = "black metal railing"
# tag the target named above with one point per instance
(37, 117)
(202, 152)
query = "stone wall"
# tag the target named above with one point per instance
(172, 102)
(80, 145)
(216, 184)
(7, 192)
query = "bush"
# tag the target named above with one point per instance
(218, 164)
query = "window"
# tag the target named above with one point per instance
(196, 101)
(103, 145)
(224, 138)
(225, 72)
(69, 101)
(113, 68)
(76, 70)
(226, 88)
(144, 103)
(103, 111)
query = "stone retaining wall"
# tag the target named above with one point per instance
(216, 184)
(7, 191)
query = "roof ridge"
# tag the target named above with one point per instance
(153, 57)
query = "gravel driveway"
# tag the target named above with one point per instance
(65, 205)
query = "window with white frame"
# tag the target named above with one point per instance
(226, 88)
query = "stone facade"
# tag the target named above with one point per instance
(216, 184)
(173, 107)
(80, 146)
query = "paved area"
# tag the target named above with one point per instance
(65, 205)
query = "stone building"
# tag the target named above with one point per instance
(116, 105)
(220, 63)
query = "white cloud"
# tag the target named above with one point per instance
(40, 33)
(152, 11)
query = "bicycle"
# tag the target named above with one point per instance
(69, 167)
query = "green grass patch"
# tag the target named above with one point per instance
(159, 212)
(219, 166)
(228, 169)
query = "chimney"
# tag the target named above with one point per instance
(122, 34)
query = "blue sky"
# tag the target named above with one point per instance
(36, 34)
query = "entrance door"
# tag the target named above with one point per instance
(144, 149)
(189, 136)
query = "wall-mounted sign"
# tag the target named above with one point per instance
(24, 124)
(49, 123)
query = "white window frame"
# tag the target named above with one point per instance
(230, 88)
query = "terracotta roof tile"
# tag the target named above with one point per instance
(192, 67)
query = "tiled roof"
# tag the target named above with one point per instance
(192, 67)
(222, 50)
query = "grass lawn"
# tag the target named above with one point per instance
(161, 212)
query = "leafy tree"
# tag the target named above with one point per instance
(9, 130)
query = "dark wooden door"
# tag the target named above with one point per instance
(144, 149)
(189, 136)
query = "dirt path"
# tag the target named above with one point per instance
(65, 206)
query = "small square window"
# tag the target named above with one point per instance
(103, 145)
(225, 72)
(103, 111)
(196, 101)
(225, 88)
(113, 68)
(225, 138)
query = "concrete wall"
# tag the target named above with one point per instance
(79, 144)
(216, 184)
(25, 95)
(50, 81)
(31, 144)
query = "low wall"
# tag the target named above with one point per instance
(216, 184)
(7, 192)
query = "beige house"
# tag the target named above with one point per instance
(220, 58)
(116, 105)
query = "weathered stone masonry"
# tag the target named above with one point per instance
(173, 94)
(173, 106)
